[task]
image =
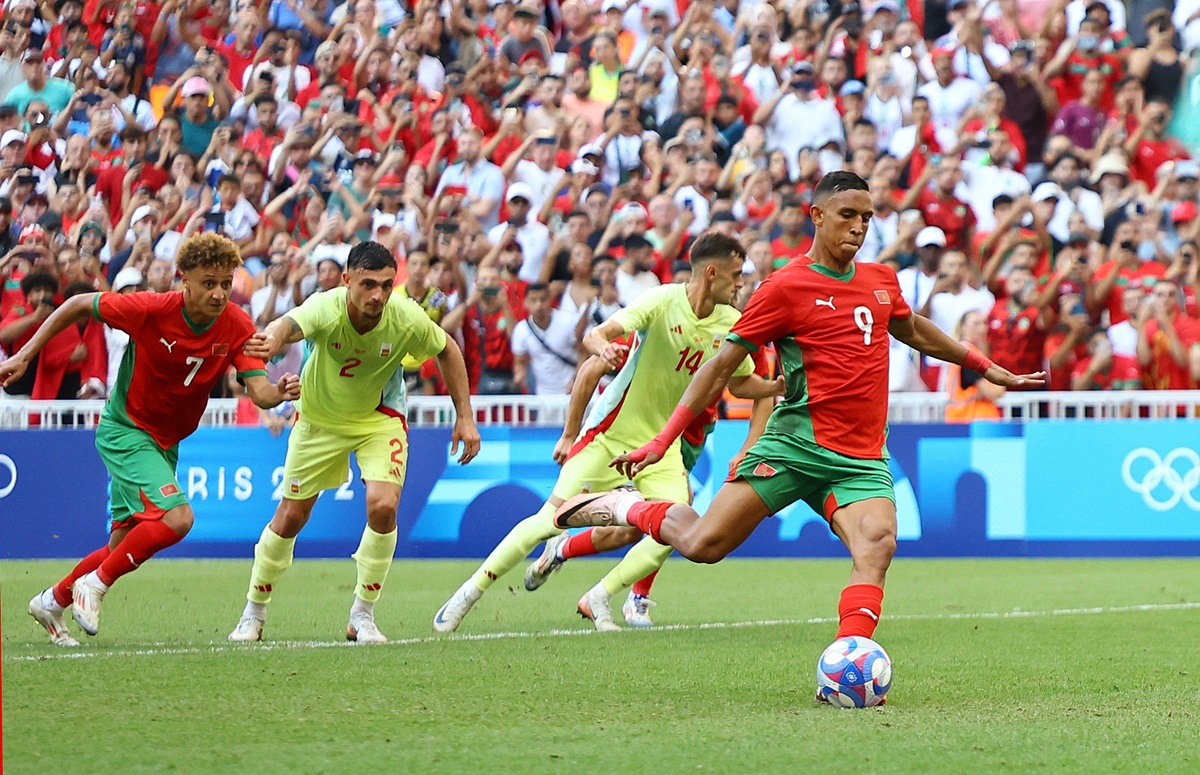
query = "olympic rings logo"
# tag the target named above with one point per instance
(1163, 473)
(7, 462)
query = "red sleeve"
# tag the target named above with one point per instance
(900, 308)
(771, 315)
(104, 185)
(96, 365)
(126, 311)
(244, 363)
(762, 365)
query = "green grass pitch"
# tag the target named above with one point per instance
(1000, 666)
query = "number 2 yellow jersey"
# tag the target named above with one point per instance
(348, 376)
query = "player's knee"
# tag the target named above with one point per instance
(706, 550)
(382, 508)
(180, 519)
(877, 541)
(289, 519)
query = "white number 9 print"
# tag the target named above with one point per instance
(865, 322)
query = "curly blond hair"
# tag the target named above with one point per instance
(208, 251)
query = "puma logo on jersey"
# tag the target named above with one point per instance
(168, 345)
(823, 303)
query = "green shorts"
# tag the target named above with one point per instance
(783, 470)
(142, 474)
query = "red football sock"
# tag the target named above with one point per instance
(859, 609)
(579, 545)
(643, 587)
(143, 542)
(648, 517)
(62, 590)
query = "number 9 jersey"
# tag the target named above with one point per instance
(831, 337)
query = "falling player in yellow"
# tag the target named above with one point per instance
(352, 400)
(677, 327)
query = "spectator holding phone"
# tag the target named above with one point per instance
(1164, 339)
(486, 321)
(545, 345)
(23, 321)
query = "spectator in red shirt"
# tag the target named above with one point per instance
(1017, 325)
(1164, 339)
(242, 49)
(792, 242)
(23, 321)
(112, 184)
(1102, 369)
(1078, 56)
(943, 209)
(1150, 147)
(263, 140)
(1123, 270)
(487, 322)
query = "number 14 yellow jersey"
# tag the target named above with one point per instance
(670, 344)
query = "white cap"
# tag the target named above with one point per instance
(591, 148)
(931, 235)
(633, 210)
(1047, 190)
(141, 213)
(128, 277)
(521, 190)
(585, 166)
(382, 220)
(12, 136)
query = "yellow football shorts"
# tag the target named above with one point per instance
(318, 457)
(587, 470)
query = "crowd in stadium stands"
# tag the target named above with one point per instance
(536, 167)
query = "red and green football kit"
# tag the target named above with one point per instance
(169, 369)
(825, 442)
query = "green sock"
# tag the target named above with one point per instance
(374, 559)
(644, 558)
(517, 545)
(272, 556)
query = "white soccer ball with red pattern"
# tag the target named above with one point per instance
(854, 672)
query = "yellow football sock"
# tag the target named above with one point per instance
(516, 546)
(272, 556)
(644, 558)
(374, 559)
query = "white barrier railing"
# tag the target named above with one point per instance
(551, 411)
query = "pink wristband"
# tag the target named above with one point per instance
(976, 362)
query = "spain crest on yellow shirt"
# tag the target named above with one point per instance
(385, 349)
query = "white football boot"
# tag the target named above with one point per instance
(362, 629)
(451, 614)
(48, 613)
(548, 562)
(596, 605)
(637, 610)
(85, 604)
(248, 630)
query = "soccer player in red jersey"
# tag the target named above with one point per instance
(829, 319)
(181, 345)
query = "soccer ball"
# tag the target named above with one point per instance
(854, 673)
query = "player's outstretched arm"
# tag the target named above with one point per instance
(454, 371)
(922, 335)
(599, 342)
(586, 379)
(273, 339)
(704, 388)
(73, 310)
(755, 387)
(267, 396)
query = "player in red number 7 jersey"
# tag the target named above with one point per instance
(829, 319)
(181, 344)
